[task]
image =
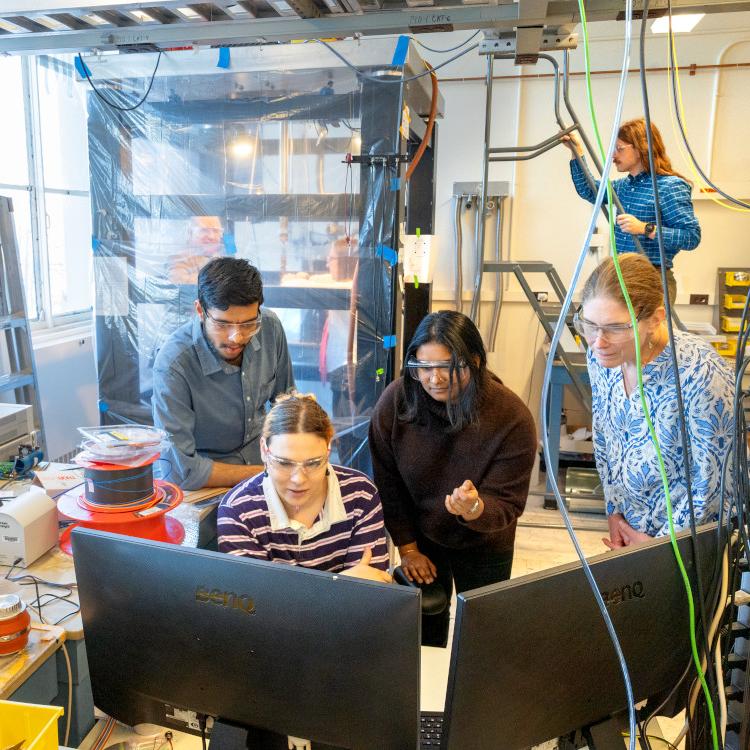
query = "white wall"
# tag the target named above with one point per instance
(66, 374)
(548, 221)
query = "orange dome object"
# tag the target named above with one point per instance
(14, 624)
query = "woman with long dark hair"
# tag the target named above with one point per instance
(680, 228)
(452, 452)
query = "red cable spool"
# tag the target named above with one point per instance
(141, 513)
(15, 623)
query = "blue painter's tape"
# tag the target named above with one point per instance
(95, 244)
(389, 342)
(81, 68)
(229, 244)
(388, 254)
(402, 48)
(395, 185)
(223, 57)
(103, 406)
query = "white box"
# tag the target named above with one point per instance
(15, 420)
(28, 527)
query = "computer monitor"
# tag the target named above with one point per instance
(532, 659)
(171, 630)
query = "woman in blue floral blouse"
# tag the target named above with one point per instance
(624, 452)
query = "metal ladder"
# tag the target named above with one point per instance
(20, 379)
(548, 313)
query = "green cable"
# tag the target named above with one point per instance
(641, 393)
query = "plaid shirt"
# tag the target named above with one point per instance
(680, 228)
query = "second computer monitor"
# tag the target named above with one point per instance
(532, 659)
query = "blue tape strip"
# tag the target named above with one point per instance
(103, 406)
(229, 244)
(395, 184)
(95, 244)
(388, 254)
(81, 67)
(223, 57)
(402, 48)
(389, 342)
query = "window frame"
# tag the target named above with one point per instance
(46, 324)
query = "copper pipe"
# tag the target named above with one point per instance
(690, 69)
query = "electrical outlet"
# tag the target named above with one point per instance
(698, 299)
(542, 296)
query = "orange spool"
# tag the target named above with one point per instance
(15, 624)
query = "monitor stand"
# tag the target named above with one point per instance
(606, 735)
(611, 734)
(226, 736)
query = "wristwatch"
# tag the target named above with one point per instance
(650, 226)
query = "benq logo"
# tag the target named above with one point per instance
(622, 594)
(227, 599)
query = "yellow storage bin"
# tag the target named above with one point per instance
(34, 726)
(726, 348)
(731, 325)
(734, 301)
(737, 278)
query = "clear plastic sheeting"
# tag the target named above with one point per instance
(249, 163)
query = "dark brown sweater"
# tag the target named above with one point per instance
(416, 464)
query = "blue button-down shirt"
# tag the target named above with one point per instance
(214, 410)
(680, 228)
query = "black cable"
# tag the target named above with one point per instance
(202, 726)
(450, 49)
(697, 166)
(60, 494)
(111, 104)
(684, 439)
(400, 79)
(742, 334)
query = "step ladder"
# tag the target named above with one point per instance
(19, 377)
(548, 313)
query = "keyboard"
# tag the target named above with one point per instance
(430, 729)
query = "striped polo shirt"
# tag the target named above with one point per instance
(680, 228)
(253, 522)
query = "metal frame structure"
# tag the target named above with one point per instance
(20, 380)
(531, 25)
(380, 205)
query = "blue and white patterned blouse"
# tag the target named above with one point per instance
(625, 455)
(680, 228)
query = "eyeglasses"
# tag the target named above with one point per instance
(620, 149)
(424, 369)
(614, 332)
(246, 326)
(287, 467)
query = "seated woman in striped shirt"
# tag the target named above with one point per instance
(301, 510)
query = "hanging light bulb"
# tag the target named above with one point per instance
(241, 147)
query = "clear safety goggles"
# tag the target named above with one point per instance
(614, 332)
(424, 369)
(287, 467)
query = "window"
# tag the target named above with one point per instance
(45, 171)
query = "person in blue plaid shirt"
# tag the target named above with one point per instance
(680, 228)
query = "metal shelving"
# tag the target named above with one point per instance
(530, 25)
